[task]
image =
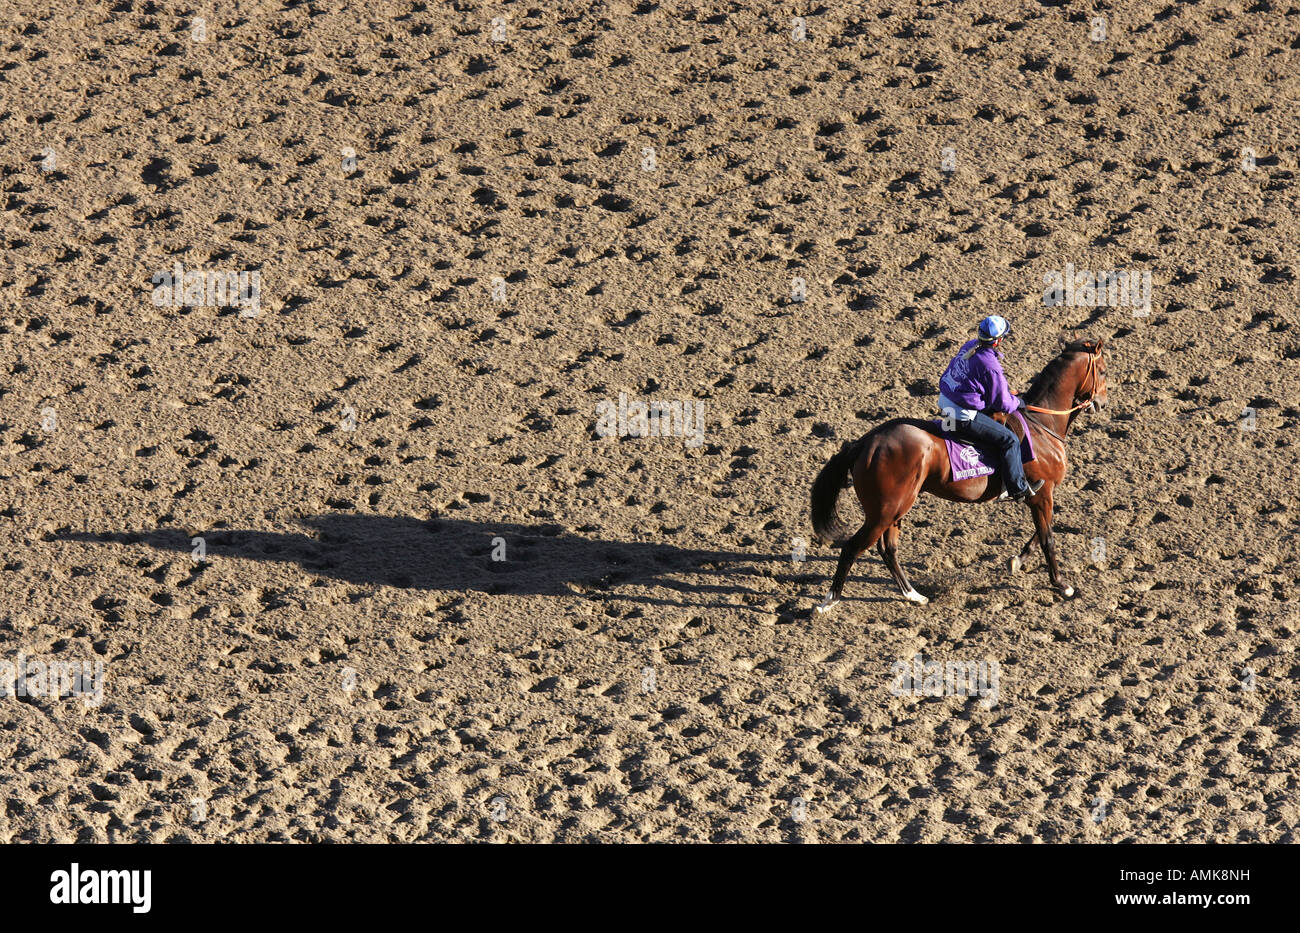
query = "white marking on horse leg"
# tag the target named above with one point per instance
(1067, 591)
(825, 604)
(912, 596)
(1015, 564)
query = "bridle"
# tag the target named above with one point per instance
(1086, 403)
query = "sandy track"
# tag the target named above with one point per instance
(351, 663)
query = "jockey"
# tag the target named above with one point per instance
(974, 385)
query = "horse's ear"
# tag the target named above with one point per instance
(1100, 341)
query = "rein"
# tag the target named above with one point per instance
(1045, 428)
(1092, 373)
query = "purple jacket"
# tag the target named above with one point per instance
(978, 382)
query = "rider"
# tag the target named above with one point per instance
(974, 384)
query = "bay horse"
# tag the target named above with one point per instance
(897, 461)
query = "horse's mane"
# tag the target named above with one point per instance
(1052, 371)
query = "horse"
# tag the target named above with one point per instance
(896, 461)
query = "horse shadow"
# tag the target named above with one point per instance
(495, 558)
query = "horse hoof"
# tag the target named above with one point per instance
(1067, 592)
(912, 596)
(826, 604)
(1015, 564)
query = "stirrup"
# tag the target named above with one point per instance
(1029, 494)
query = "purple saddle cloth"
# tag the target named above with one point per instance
(968, 462)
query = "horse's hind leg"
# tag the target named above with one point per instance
(887, 480)
(888, 545)
(851, 551)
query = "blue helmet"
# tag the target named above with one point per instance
(992, 328)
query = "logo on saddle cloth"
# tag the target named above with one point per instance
(968, 462)
(965, 457)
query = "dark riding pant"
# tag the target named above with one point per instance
(997, 439)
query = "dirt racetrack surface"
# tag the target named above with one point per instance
(430, 601)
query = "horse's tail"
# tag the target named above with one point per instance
(826, 489)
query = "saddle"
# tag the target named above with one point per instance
(969, 462)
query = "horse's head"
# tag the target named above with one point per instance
(1089, 369)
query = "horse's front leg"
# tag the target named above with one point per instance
(1021, 560)
(1041, 505)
